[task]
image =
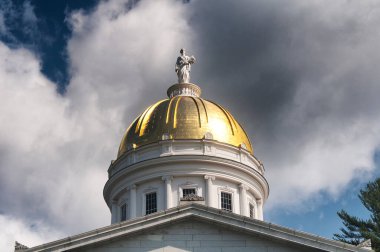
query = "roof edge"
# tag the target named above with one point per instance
(202, 213)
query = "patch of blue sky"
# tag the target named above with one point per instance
(41, 27)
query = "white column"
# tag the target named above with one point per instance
(114, 212)
(260, 215)
(209, 201)
(243, 200)
(168, 191)
(132, 203)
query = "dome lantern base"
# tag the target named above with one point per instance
(184, 89)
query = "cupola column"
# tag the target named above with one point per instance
(260, 209)
(132, 204)
(114, 212)
(168, 191)
(209, 201)
(243, 200)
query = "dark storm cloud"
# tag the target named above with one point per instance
(295, 75)
(257, 53)
(245, 57)
(241, 58)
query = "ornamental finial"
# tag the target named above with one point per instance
(183, 66)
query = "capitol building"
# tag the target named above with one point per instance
(186, 179)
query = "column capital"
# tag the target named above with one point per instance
(132, 187)
(167, 178)
(243, 187)
(208, 177)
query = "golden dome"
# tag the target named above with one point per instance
(184, 116)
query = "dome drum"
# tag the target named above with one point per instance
(204, 147)
(169, 176)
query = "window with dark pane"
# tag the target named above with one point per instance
(123, 210)
(251, 211)
(188, 191)
(151, 203)
(226, 203)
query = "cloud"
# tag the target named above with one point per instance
(32, 234)
(55, 149)
(300, 77)
(138, 47)
(7, 12)
(19, 24)
(29, 16)
(40, 148)
(3, 28)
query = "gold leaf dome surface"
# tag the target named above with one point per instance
(184, 116)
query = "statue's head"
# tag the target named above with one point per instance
(182, 51)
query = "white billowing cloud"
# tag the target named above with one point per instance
(119, 53)
(29, 103)
(32, 234)
(39, 166)
(35, 128)
(55, 149)
(326, 164)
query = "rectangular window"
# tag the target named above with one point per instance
(151, 203)
(251, 211)
(188, 191)
(123, 214)
(226, 203)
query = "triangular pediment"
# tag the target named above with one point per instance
(195, 228)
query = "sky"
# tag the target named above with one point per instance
(301, 77)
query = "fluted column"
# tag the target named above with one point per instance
(168, 191)
(209, 194)
(132, 204)
(243, 200)
(114, 212)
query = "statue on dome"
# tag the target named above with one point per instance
(183, 66)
